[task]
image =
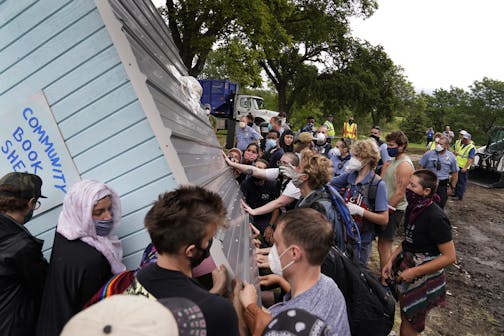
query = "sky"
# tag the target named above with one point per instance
(439, 43)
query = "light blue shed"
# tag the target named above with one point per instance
(95, 88)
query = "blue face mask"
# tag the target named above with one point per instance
(393, 152)
(103, 227)
(270, 143)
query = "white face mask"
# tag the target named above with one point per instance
(242, 124)
(335, 152)
(321, 138)
(297, 181)
(353, 165)
(439, 148)
(275, 263)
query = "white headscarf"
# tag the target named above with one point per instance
(76, 220)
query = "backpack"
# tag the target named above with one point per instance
(330, 203)
(370, 308)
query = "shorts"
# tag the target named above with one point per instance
(388, 232)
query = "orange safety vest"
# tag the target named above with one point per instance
(350, 131)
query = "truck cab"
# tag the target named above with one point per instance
(254, 105)
(226, 103)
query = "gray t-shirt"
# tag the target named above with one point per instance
(323, 300)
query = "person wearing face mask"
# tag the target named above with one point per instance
(340, 156)
(365, 193)
(181, 225)
(245, 135)
(251, 153)
(22, 266)
(396, 176)
(384, 157)
(289, 193)
(311, 176)
(303, 238)
(415, 269)
(443, 163)
(432, 145)
(321, 144)
(258, 192)
(272, 152)
(85, 253)
(309, 127)
(350, 129)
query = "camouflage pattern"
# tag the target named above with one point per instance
(26, 185)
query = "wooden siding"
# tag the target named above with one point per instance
(64, 48)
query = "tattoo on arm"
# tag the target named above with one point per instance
(249, 171)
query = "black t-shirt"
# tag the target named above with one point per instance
(258, 195)
(220, 316)
(430, 229)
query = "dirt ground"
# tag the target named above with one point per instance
(476, 283)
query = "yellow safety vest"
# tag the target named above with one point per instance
(350, 131)
(330, 128)
(458, 146)
(463, 155)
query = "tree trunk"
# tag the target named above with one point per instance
(282, 98)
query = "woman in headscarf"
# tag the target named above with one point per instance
(84, 255)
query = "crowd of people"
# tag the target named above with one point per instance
(284, 180)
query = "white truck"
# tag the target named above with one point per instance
(226, 104)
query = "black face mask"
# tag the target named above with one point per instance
(205, 253)
(250, 124)
(350, 121)
(28, 216)
(377, 138)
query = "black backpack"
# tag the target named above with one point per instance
(370, 307)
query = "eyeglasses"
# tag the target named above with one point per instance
(37, 205)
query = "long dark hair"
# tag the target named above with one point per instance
(289, 148)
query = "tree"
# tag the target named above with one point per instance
(369, 84)
(232, 61)
(487, 104)
(318, 31)
(450, 107)
(415, 121)
(196, 25)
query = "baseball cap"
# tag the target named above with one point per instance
(23, 185)
(305, 137)
(463, 132)
(134, 315)
(296, 322)
(466, 135)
